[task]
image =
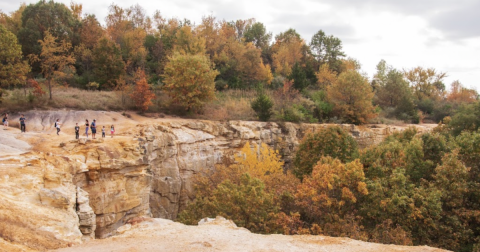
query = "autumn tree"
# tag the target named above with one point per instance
(13, 68)
(77, 10)
(37, 89)
(133, 49)
(254, 177)
(239, 64)
(55, 58)
(188, 43)
(397, 172)
(235, 201)
(13, 22)
(91, 31)
(288, 49)
(330, 196)
(108, 66)
(325, 77)
(352, 96)
(128, 28)
(189, 80)
(452, 179)
(426, 83)
(330, 141)
(459, 94)
(142, 95)
(260, 161)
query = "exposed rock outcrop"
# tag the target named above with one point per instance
(223, 235)
(65, 191)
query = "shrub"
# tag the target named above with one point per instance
(323, 108)
(296, 113)
(262, 105)
(142, 95)
(277, 82)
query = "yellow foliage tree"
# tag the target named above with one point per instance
(325, 76)
(188, 43)
(259, 161)
(329, 195)
(189, 80)
(426, 83)
(287, 54)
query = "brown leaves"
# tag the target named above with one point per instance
(352, 96)
(142, 95)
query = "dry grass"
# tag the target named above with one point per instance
(65, 97)
(228, 105)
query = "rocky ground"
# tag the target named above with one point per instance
(223, 235)
(58, 192)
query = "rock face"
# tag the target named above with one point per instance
(89, 189)
(175, 151)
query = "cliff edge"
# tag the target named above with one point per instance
(56, 191)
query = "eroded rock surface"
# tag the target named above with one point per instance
(62, 191)
(223, 235)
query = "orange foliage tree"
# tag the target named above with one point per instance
(328, 197)
(352, 96)
(37, 89)
(142, 95)
(459, 94)
(56, 60)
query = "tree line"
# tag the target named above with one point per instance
(190, 62)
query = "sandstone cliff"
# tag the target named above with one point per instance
(56, 191)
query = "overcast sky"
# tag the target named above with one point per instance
(443, 34)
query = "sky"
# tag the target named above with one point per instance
(440, 34)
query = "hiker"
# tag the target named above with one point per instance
(22, 123)
(112, 130)
(57, 125)
(5, 121)
(86, 127)
(77, 131)
(103, 131)
(93, 127)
